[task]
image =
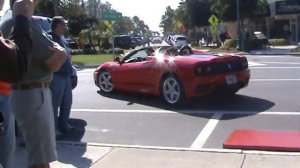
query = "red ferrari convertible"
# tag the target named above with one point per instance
(174, 74)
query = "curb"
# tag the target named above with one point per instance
(209, 150)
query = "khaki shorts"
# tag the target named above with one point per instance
(34, 113)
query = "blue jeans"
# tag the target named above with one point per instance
(7, 139)
(61, 88)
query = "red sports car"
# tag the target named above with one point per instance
(174, 74)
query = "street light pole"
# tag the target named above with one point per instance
(240, 37)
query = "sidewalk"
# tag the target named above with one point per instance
(276, 50)
(101, 156)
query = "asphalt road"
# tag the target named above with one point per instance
(270, 102)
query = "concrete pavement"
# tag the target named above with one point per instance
(100, 156)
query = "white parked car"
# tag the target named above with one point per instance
(178, 40)
(156, 40)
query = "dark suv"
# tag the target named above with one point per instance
(124, 42)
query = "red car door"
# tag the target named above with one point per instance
(136, 72)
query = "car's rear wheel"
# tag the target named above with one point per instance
(172, 90)
(105, 82)
(185, 50)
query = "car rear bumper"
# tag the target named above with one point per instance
(205, 85)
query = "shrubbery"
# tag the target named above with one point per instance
(296, 49)
(229, 43)
(278, 42)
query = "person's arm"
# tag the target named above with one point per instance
(51, 55)
(57, 58)
(20, 35)
(16, 45)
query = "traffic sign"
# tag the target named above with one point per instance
(213, 20)
(111, 16)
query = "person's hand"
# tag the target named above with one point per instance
(23, 7)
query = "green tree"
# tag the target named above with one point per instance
(167, 20)
(124, 26)
(198, 12)
(140, 28)
(77, 19)
(227, 9)
(45, 8)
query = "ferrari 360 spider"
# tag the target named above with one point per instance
(174, 74)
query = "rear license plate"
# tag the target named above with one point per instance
(231, 79)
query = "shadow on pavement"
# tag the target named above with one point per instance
(74, 154)
(67, 154)
(238, 103)
(77, 133)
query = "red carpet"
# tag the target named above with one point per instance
(264, 140)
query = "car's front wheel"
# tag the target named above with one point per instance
(105, 82)
(172, 90)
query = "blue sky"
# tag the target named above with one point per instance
(150, 11)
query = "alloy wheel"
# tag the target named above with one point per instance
(171, 90)
(105, 82)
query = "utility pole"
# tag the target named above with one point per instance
(240, 36)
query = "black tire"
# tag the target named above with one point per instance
(185, 50)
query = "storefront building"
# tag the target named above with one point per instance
(284, 20)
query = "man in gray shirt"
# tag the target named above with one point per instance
(31, 98)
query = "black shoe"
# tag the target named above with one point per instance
(58, 135)
(67, 128)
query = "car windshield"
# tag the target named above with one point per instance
(181, 38)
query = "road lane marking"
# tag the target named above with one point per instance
(265, 67)
(273, 80)
(186, 112)
(206, 131)
(252, 64)
(288, 63)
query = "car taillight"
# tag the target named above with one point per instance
(245, 64)
(199, 70)
(208, 69)
(203, 70)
